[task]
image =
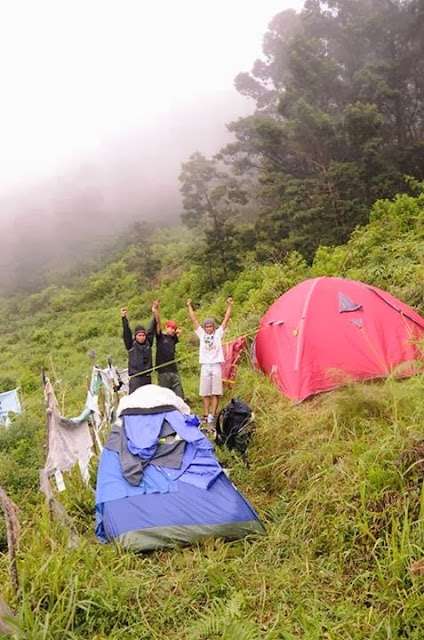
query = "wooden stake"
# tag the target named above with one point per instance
(13, 530)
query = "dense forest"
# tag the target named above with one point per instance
(338, 124)
(325, 178)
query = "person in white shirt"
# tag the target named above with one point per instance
(211, 357)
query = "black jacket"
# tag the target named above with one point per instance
(165, 352)
(139, 355)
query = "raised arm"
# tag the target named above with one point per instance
(227, 313)
(156, 313)
(192, 315)
(126, 331)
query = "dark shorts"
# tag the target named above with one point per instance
(171, 380)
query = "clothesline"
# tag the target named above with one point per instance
(194, 354)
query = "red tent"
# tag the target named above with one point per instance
(326, 331)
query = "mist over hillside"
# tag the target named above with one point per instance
(55, 223)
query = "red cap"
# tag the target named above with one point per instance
(172, 324)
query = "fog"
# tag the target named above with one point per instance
(103, 101)
(55, 222)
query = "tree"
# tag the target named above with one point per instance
(339, 118)
(212, 200)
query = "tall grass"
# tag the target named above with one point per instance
(338, 484)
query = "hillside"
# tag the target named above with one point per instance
(337, 480)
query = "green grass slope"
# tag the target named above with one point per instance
(337, 480)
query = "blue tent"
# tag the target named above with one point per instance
(159, 484)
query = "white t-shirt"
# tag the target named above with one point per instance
(210, 351)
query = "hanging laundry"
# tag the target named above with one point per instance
(68, 442)
(114, 381)
(9, 403)
(232, 354)
(91, 410)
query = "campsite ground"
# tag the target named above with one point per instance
(336, 480)
(338, 484)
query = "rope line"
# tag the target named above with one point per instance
(191, 355)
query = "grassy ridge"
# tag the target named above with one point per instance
(341, 497)
(336, 480)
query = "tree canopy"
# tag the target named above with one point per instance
(338, 124)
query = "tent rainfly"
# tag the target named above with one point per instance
(325, 332)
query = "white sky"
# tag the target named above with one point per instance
(76, 75)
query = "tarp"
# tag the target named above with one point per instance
(169, 505)
(151, 396)
(327, 331)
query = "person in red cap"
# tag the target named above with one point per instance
(168, 374)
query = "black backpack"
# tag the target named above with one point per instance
(234, 426)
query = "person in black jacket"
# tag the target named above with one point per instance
(168, 374)
(139, 352)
